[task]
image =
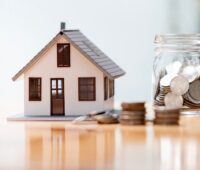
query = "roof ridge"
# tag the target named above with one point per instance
(71, 30)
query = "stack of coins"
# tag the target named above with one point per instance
(166, 116)
(159, 100)
(132, 114)
(164, 89)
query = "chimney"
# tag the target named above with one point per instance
(62, 26)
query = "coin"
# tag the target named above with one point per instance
(190, 99)
(198, 69)
(132, 117)
(131, 122)
(191, 105)
(106, 119)
(179, 85)
(173, 101)
(165, 109)
(173, 67)
(159, 100)
(165, 81)
(139, 106)
(133, 113)
(194, 90)
(157, 103)
(165, 89)
(190, 72)
(166, 122)
(167, 115)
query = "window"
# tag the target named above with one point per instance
(111, 88)
(87, 89)
(63, 55)
(35, 89)
(105, 88)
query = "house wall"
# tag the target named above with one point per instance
(46, 68)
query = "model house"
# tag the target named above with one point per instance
(69, 76)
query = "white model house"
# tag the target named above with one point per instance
(69, 76)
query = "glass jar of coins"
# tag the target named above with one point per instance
(176, 71)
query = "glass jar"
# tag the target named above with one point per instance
(176, 70)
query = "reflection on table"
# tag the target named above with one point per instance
(62, 145)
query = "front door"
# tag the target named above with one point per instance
(57, 97)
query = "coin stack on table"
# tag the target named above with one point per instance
(166, 116)
(132, 114)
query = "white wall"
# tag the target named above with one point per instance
(46, 68)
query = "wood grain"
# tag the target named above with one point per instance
(62, 145)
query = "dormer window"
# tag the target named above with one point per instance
(63, 55)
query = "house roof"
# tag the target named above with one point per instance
(86, 47)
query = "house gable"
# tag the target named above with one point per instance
(36, 58)
(46, 65)
(84, 46)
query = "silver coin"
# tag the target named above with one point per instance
(164, 89)
(159, 99)
(190, 72)
(179, 85)
(187, 97)
(194, 90)
(191, 104)
(173, 101)
(165, 81)
(160, 102)
(198, 69)
(173, 67)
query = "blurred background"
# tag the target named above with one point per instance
(123, 29)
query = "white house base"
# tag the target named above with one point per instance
(22, 117)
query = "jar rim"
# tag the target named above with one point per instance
(185, 39)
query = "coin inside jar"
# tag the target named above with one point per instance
(173, 101)
(194, 90)
(190, 72)
(179, 85)
(198, 69)
(165, 81)
(173, 67)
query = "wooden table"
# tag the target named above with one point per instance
(61, 145)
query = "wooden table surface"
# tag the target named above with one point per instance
(61, 145)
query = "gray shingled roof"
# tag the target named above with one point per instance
(87, 48)
(94, 54)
